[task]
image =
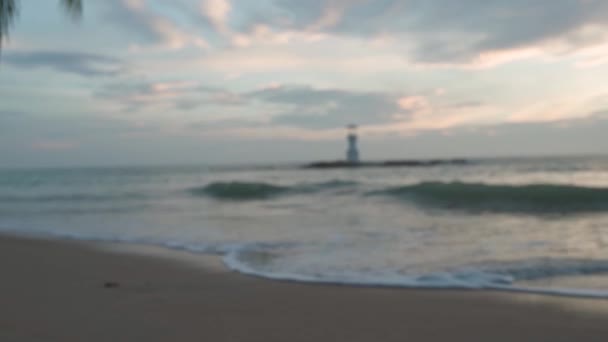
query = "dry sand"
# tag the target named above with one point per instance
(55, 291)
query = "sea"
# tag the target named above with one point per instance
(535, 225)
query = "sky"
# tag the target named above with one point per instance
(265, 81)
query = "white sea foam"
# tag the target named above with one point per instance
(235, 258)
(470, 280)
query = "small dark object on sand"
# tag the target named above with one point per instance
(111, 285)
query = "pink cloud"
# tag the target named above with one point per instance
(487, 59)
(331, 16)
(256, 58)
(592, 56)
(553, 111)
(167, 87)
(173, 37)
(274, 132)
(414, 103)
(217, 11)
(439, 92)
(588, 45)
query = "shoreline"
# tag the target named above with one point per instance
(217, 261)
(75, 291)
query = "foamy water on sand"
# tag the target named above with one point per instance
(537, 225)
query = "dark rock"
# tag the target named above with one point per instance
(388, 163)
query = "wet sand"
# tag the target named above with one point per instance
(67, 291)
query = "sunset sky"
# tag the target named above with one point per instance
(241, 81)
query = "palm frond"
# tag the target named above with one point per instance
(8, 12)
(73, 7)
(10, 8)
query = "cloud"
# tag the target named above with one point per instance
(217, 12)
(413, 103)
(226, 124)
(446, 33)
(136, 95)
(136, 17)
(298, 107)
(308, 107)
(567, 107)
(174, 95)
(79, 63)
(467, 32)
(329, 109)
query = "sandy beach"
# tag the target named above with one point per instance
(67, 291)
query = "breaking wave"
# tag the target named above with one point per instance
(258, 259)
(239, 190)
(244, 191)
(533, 199)
(537, 198)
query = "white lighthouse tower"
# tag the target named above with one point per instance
(352, 154)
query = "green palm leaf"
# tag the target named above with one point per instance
(10, 8)
(74, 7)
(8, 12)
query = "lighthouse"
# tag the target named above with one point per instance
(352, 154)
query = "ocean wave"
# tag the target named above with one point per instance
(243, 191)
(239, 191)
(323, 186)
(545, 268)
(536, 198)
(252, 259)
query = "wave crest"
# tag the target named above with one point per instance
(239, 190)
(259, 260)
(535, 198)
(260, 191)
